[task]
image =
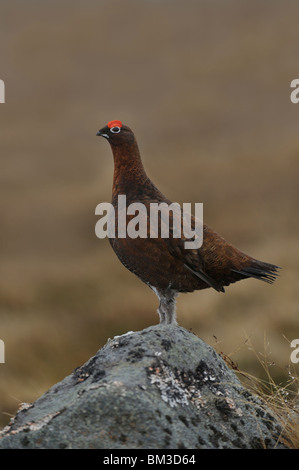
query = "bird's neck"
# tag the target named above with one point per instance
(128, 168)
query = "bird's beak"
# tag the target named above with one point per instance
(103, 134)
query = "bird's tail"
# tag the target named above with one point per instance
(259, 270)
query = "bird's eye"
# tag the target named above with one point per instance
(115, 130)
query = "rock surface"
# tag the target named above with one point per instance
(160, 388)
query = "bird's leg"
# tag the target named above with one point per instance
(170, 312)
(166, 309)
(161, 312)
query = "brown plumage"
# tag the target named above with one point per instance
(163, 263)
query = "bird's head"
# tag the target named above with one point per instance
(116, 133)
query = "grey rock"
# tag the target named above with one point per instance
(160, 388)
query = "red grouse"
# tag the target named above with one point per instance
(164, 264)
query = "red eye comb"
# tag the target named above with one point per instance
(114, 124)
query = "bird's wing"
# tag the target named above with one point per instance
(192, 258)
(225, 263)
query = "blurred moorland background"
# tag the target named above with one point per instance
(205, 85)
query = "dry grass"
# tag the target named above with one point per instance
(206, 90)
(282, 398)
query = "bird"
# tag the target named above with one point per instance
(165, 264)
